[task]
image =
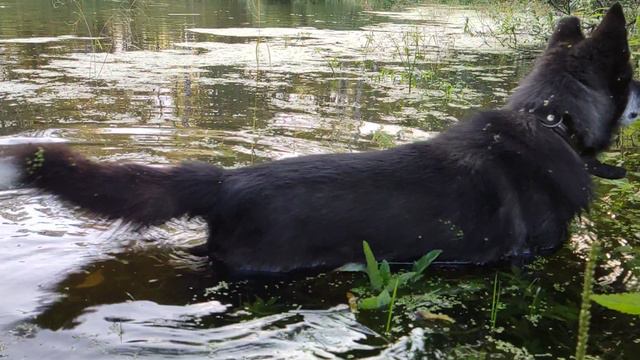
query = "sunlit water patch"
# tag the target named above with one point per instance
(45, 39)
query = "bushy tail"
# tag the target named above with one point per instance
(136, 193)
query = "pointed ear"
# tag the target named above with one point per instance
(612, 25)
(567, 31)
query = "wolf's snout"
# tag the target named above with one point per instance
(632, 110)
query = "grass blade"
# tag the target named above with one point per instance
(372, 267)
(391, 304)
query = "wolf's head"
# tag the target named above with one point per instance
(585, 82)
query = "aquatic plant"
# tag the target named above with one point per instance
(520, 24)
(121, 15)
(495, 302)
(516, 24)
(334, 64)
(387, 4)
(391, 305)
(628, 303)
(255, 8)
(261, 307)
(383, 280)
(409, 51)
(585, 307)
(382, 139)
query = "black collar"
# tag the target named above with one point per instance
(561, 125)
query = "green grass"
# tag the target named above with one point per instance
(495, 302)
(391, 305)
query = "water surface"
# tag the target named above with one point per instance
(235, 83)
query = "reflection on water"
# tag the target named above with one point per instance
(231, 83)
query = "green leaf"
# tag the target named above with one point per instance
(375, 302)
(391, 303)
(372, 267)
(385, 272)
(402, 279)
(423, 263)
(628, 303)
(616, 182)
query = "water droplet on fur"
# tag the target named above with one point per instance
(546, 102)
(531, 110)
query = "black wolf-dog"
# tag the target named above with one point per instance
(502, 185)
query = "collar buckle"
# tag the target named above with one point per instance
(551, 122)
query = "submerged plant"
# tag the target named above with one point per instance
(116, 328)
(261, 307)
(381, 279)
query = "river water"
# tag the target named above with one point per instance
(235, 83)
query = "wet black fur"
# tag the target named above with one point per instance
(496, 186)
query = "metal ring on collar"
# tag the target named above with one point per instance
(551, 117)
